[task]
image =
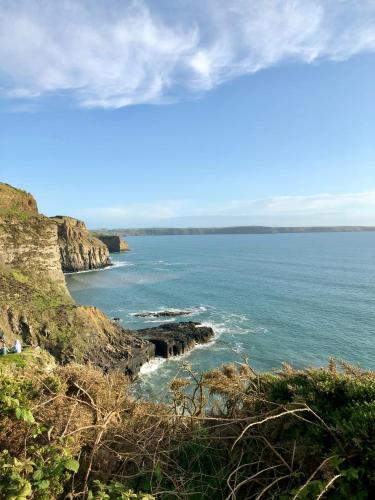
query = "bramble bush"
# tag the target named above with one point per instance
(230, 433)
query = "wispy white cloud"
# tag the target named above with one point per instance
(135, 211)
(316, 205)
(114, 53)
(320, 209)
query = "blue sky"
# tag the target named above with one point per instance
(208, 113)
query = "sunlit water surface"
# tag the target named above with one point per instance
(299, 298)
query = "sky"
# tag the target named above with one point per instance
(191, 112)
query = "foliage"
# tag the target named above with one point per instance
(295, 434)
(41, 470)
(227, 434)
(115, 491)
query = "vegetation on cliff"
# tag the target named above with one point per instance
(35, 304)
(16, 202)
(227, 434)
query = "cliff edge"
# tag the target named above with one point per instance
(15, 201)
(35, 304)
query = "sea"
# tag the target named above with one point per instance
(271, 298)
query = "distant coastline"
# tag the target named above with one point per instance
(122, 232)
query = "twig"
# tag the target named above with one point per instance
(328, 485)
(271, 417)
(312, 476)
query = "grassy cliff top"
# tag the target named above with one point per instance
(15, 201)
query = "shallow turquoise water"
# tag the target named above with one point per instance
(299, 298)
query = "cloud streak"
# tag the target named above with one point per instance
(114, 54)
(320, 209)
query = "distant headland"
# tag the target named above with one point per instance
(168, 231)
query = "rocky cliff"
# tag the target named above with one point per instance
(114, 243)
(79, 249)
(35, 305)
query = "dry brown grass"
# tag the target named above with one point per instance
(226, 434)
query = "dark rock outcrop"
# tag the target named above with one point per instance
(162, 314)
(173, 339)
(79, 249)
(114, 243)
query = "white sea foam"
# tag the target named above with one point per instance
(218, 328)
(115, 264)
(151, 366)
(194, 310)
(122, 263)
(160, 320)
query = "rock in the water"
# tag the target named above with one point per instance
(162, 314)
(124, 247)
(173, 339)
(79, 249)
(113, 243)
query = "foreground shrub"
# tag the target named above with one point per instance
(227, 434)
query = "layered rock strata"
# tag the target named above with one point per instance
(79, 249)
(35, 304)
(173, 339)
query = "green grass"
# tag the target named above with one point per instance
(29, 356)
(17, 275)
(43, 302)
(13, 359)
(18, 213)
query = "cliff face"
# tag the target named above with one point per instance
(35, 304)
(79, 249)
(14, 200)
(28, 244)
(114, 243)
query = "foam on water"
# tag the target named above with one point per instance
(114, 265)
(160, 320)
(151, 366)
(193, 310)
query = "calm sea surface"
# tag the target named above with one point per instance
(299, 298)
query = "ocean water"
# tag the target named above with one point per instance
(299, 298)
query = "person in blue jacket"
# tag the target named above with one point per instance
(3, 348)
